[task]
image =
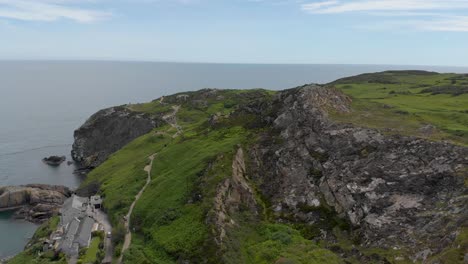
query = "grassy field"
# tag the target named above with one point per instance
(407, 102)
(264, 243)
(122, 175)
(168, 216)
(92, 251)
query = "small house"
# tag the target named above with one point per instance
(96, 201)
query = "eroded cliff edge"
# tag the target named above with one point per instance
(107, 131)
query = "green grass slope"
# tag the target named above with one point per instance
(406, 102)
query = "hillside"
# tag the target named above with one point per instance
(423, 104)
(367, 169)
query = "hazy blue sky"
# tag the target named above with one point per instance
(423, 32)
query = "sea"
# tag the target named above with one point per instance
(43, 102)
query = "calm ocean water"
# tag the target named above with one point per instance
(42, 103)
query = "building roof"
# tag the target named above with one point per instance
(67, 216)
(76, 225)
(84, 234)
(69, 237)
(72, 208)
(96, 199)
(78, 202)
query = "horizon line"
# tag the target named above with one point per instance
(211, 62)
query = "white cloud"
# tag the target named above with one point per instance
(455, 24)
(333, 7)
(441, 14)
(318, 5)
(49, 10)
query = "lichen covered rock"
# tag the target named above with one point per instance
(396, 191)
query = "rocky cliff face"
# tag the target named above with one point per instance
(231, 194)
(395, 192)
(36, 202)
(107, 131)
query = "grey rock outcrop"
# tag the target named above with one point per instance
(107, 131)
(34, 202)
(396, 191)
(232, 194)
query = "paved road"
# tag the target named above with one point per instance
(102, 218)
(128, 235)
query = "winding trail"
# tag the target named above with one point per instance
(128, 235)
(171, 119)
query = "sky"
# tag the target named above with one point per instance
(401, 32)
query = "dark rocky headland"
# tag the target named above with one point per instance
(106, 132)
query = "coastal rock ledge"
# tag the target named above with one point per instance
(33, 202)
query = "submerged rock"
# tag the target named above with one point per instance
(54, 160)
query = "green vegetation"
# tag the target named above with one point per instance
(263, 242)
(26, 257)
(423, 104)
(93, 253)
(456, 253)
(33, 253)
(45, 229)
(448, 89)
(122, 176)
(172, 221)
(153, 107)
